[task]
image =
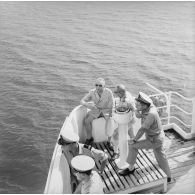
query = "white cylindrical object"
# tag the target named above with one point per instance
(193, 118)
(123, 146)
(123, 119)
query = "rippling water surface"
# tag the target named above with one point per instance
(50, 54)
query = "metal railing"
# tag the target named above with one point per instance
(169, 105)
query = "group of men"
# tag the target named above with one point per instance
(100, 101)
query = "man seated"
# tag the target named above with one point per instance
(90, 181)
(71, 148)
(100, 102)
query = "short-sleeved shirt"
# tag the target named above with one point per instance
(126, 101)
(94, 153)
(94, 185)
(105, 102)
(97, 155)
(151, 121)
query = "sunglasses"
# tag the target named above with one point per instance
(98, 85)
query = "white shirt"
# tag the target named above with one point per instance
(94, 185)
(126, 101)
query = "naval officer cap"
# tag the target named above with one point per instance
(82, 163)
(143, 98)
(69, 136)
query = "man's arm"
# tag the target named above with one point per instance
(85, 99)
(145, 126)
(78, 189)
(85, 102)
(110, 104)
(102, 156)
(139, 134)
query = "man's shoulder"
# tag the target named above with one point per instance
(107, 90)
(92, 90)
(153, 112)
(129, 97)
(96, 184)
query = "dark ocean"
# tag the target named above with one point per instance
(52, 52)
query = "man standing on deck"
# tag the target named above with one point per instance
(100, 102)
(71, 148)
(152, 127)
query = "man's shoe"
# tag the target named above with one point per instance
(89, 141)
(115, 156)
(170, 180)
(110, 147)
(126, 172)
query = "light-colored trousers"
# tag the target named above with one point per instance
(155, 143)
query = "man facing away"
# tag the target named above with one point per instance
(90, 181)
(123, 102)
(71, 148)
(100, 102)
(152, 128)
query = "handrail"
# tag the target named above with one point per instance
(176, 93)
(168, 96)
(151, 86)
(188, 113)
(181, 121)
(162, 107)
(157, 94)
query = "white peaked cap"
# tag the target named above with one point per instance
(69, 135)
(82, 163)
(142, 97)
(68, 132)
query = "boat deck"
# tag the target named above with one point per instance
(181, 157)
(148, 177)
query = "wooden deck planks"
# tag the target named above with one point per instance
(114, 181)
(154, 167)
(143, 177)
(123, 180)
(181, 157)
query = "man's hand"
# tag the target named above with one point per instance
(90, 105)
(131, 141)
(138, 114)
(100, 172)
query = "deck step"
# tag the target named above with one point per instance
(147, 174)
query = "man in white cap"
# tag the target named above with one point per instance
(124, 101)
(100, 102)
(152, 128)
(71, 148)
(90, 181)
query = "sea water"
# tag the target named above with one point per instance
(52, 52)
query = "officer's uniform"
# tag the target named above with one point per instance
(94, 185)
(150, 120)
(88, 150)
(97, 155)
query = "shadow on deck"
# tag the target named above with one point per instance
(148, 177)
